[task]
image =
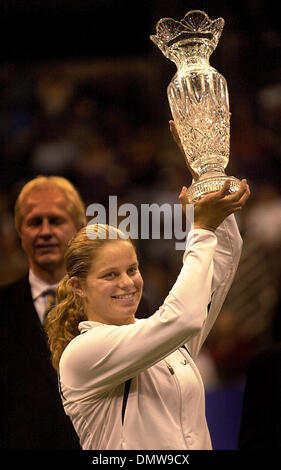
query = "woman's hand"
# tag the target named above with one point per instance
(212, 209)
(176, 138)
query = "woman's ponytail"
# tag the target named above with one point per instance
(62, 322)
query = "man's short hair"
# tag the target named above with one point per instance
(76, 206)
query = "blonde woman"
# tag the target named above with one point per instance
(133, 384)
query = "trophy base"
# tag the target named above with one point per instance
(211, 184)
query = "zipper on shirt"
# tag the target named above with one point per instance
(170, 368)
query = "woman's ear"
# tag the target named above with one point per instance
(75, 284)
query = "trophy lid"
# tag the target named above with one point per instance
(196, 25)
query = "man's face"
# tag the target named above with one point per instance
(46, 228)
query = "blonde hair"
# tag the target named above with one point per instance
(76, 205)
(63, 320)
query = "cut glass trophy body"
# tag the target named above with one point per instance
(198, 98)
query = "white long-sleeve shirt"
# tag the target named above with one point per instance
(166, 404)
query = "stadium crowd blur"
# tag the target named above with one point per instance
(103, 123)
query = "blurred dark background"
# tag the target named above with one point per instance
(83, 95)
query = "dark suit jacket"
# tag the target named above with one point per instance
(32, 415)
(261, 416)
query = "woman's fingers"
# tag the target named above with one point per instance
(175, 134)
(220, 194)
(177, 140)
(237, 200)
(223, 193)
(224, 190)
(219, 204)
(238, 194)
(245, 196)
(183, 197)
(183, 193)
(212, 209)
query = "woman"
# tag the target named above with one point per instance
(97, 345)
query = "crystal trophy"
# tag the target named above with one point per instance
(198, 98)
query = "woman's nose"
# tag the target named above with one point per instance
(125, 281)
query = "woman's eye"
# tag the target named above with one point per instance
(109, 276)
(133, 270)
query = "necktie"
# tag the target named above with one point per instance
(51, 301)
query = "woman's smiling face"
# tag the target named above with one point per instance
(113, 287)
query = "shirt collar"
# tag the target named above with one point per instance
(38, 286)
(89, 324)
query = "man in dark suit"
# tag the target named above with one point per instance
(261, 416)
(48, 212)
